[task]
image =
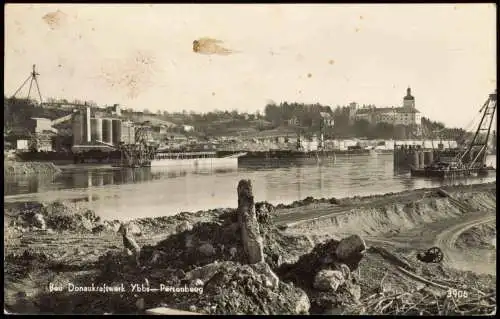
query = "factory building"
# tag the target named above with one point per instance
(100, 133)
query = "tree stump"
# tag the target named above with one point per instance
(252, 240)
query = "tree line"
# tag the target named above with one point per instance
(304, 118)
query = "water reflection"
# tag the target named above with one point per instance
(154, 192)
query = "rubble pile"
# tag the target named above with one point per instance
(233, 288)
(326, 274)
(226, 257)
(22, 264)
(56, 216)
(240, 261)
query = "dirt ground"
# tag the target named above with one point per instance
(75, 246)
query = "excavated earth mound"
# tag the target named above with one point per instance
(482, 236)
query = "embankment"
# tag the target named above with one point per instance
(391, 214)
(62, 243)
(13, 168)
(482, 236)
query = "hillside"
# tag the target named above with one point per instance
(275, 121)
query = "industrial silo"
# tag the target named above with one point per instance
(98, 128)
(93, 130)
(117, 131)
(88, 128)
(78, 129)
(107, 131)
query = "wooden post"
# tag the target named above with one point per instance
(247, 219)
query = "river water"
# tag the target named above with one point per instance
(127, 194)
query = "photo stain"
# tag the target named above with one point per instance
(210, 46)
(357, 30)
(361, 17)
(55, 19)
(213, 93)
(132, 75)
(309, 75)
(331, 62)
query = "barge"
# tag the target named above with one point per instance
(448, 170)
(472, 160)
(195, 160)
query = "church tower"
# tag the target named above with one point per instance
(409, 100)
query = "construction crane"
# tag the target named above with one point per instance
(33, 79)
(474, 156)
(139, 154)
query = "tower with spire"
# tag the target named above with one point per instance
(409, 100)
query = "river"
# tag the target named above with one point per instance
(128, 194)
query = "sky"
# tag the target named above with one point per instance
(141, 56)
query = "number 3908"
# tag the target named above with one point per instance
(457, 293)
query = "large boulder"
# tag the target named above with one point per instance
(350, 250)
(329, 280)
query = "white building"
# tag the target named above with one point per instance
(406, 115)
(187, 128)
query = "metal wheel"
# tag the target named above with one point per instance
(436, 253)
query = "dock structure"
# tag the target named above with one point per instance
(471, 160)
(407, 156)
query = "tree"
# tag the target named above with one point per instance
(361, 128)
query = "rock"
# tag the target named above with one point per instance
(233, 251)
(134, 229)
(264, 269)
(355, 291)
(329, 280)
(303, 304)
(250, 232)
(87, 224)
(154, 257)
(232, 228)
(98, 229)
(39, 221)
(189, 241)
(140, 304)
(198, 283)
(114, 225)
(263, 211)
(184, 226)
(350, 250)
(206, 272)
(344, 269)
(207, 249)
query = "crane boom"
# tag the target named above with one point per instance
(475, 154)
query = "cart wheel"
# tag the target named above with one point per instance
(436, 253)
